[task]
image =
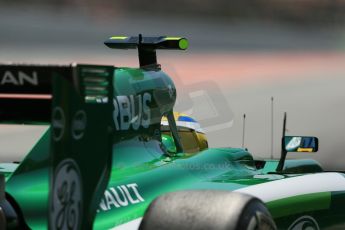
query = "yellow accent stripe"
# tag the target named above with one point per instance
(172, 38)
(309, 150)
(119, 37)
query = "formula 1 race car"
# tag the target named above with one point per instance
(109, 161)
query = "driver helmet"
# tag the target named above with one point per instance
(193, 137)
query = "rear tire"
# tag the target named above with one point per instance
(207, 209)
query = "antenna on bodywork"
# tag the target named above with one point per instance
(283, 150)
(272, 125)
(244, 129)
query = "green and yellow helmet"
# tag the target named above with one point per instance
(192, 136)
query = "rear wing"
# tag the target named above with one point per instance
(76, 153)
(82, 134)
(26, 92)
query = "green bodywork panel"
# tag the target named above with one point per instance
(296, 166)
(141, 168)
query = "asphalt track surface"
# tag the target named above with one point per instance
(230, 69)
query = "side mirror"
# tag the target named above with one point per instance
(169, 144)
(300, 144)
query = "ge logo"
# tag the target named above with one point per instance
(304, 222)
(58, 123)
(65, 203)
(79, 125)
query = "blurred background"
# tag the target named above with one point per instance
(242, 54)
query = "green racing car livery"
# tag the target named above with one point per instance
(102, 163)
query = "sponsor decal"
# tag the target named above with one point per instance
(304, 222)
(132, 112)
(79, 124)
(66, 206)
(19, 78)
(171, 91)
(120, 196)
(58, 123)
